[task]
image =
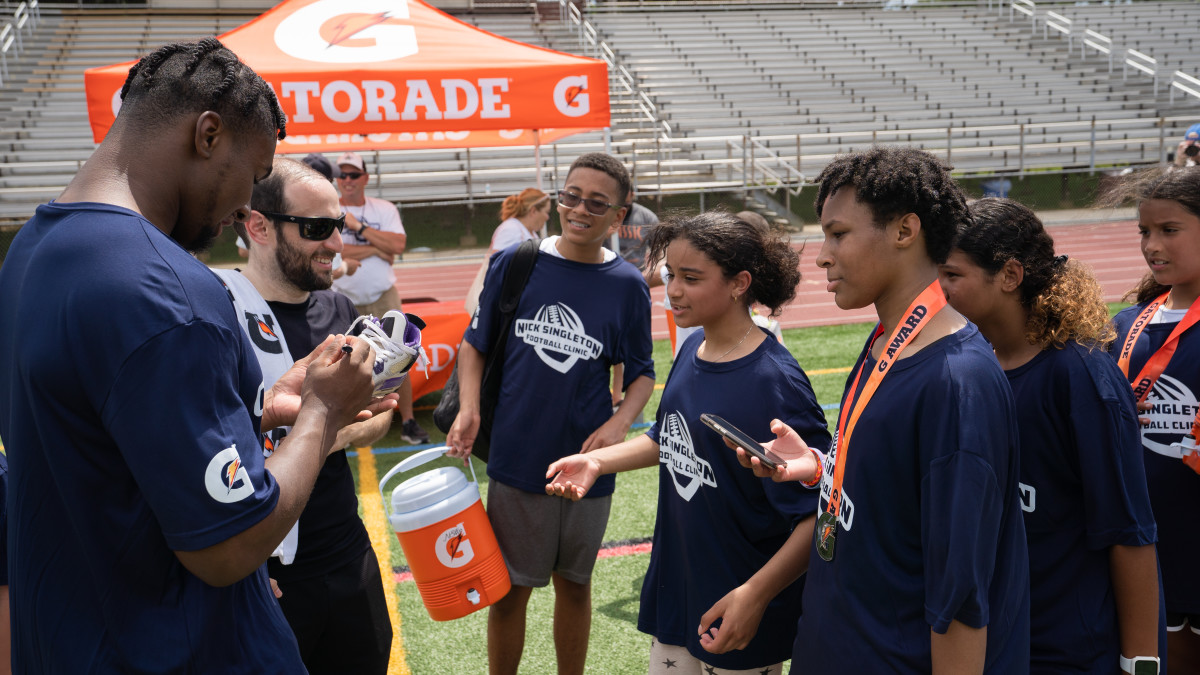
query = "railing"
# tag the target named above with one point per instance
(1143, 63)
(1060, 24)
(1185, 83)
(589, 41)
(745, 163)
(1101, 43)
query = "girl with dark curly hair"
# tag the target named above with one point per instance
(1093, 574)
(1158, 348)
(728, 546)
(919, 559)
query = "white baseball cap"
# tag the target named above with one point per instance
(353, 159)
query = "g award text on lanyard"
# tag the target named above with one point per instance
(918, 315)
(1143, 384)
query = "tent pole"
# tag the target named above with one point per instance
(537, 160)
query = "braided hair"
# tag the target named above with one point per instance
(191, 77)
(893, 181)
(1062, 297)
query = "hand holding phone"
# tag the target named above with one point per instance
(741, 439)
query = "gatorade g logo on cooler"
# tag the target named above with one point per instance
(452, 548)
(226, 480)
(348, 31)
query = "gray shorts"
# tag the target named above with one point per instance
(540, 534)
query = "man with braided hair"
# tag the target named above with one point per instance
(141, 507)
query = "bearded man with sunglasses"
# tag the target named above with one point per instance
(332, 591)
(373, 236)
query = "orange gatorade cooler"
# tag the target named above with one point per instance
(447, 538)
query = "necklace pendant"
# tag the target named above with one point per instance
(826, 535)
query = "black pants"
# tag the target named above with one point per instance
(341, 619)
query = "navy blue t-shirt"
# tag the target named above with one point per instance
(717, 523)
(331, 533)
(574, 321)
(1083, 490)
(3, 519)
(930, 525)
(1174, 487)
(131, 415)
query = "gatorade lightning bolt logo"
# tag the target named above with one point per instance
(453, 549)
(262, 333)
(571, 93)
(231, 473)
(226, 479)
(346, 27)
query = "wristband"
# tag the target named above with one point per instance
(820, 471)
(1140, 665)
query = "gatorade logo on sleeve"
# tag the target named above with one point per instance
(226, 480)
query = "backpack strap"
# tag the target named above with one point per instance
(517, 276)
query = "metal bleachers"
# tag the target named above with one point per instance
(707, 97)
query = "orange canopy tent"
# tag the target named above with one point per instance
(398, 74)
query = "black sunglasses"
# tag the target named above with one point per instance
(593, 206)
(352, 175)
(316, 229)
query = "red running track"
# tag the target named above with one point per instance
(1111, 248)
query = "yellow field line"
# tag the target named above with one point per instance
(381, 540)
(828, 371)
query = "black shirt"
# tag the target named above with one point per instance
(331, 533)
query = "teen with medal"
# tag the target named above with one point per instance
(1158, 348)
(919, 561)
(1093, 576)
(722, 589)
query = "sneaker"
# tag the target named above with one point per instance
(396, 339)
(412, 433)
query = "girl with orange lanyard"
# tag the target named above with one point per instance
(919, 562)
(1158, 347)
(1092, 572)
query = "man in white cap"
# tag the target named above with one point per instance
(374, 237)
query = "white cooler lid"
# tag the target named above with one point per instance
(427, 488)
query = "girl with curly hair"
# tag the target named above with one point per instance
(728, 547)
(1093, 575)
(1158, 348)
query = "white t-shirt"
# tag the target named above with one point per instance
(375, 275)
(511, 231)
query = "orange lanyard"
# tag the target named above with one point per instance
(1158, 361)
(919, 313)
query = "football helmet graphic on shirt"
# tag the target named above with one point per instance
(676, 450)
(558, 336)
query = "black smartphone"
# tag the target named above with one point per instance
(742, 440)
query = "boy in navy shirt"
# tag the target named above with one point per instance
(919, 562)
(142, 509)
(583, 310)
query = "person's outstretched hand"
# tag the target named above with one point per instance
(800, 462)
(572, 476)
